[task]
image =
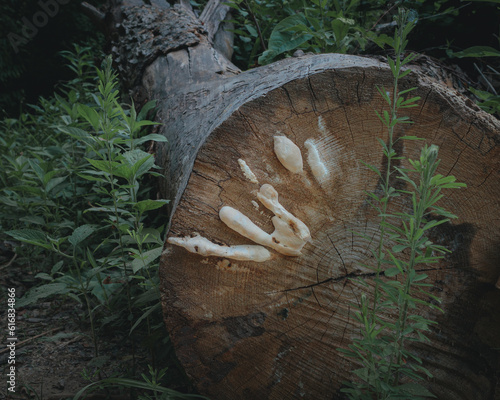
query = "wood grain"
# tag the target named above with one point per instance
(271, 330)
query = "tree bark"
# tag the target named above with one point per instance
(266, 322)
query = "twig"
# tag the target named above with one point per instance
(492, 69)
(18, 344)
(58, 347)
(263, 44)
(488, 83)
(75, 339)
(2, 267)
(96, 16)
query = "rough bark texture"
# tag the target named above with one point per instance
(271, 330)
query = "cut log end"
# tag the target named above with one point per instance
(284, 174)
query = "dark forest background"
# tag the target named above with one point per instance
(37, 67)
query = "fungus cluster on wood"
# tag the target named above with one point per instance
(317, 166)
(290, 233)
(288, 153)
(204, 247)
(247, 172)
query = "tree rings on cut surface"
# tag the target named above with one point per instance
(271, 329)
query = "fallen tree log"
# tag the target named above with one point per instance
(258, 306)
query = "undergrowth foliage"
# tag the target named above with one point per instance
(268, 29)
(76, 192)
(389, 369)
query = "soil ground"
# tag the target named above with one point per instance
(54, 354)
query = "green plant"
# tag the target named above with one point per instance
(323, 26)
(151, 387)
(38, 170)
(76, 194)
(389, 367)
(488, 100)
(272, 29)
(100, 260)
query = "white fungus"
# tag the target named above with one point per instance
(322, 126)
(290, 234)
(202, 246)
(247, 171)
(288, 153)
(317, 166)
(269, 197)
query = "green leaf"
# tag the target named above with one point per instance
(45, 276)
(150, 105)
(477, 51)
(27, 189)
(34, 219)
(149, 296)
(76, 133)
(153, 136)
(420, 277)
(434, 223)
(380, 39)
(54, 182)
(399, 248)
(415, 390)
(57, 266)
(364, 374)
(104, 165)
(42, 292)
(147, 205)
(90, 115)
(391, 272)
(80, 234)
(283, 38)
(146, 258)
(152, 309)
(390, 61)
(35, 166)
(140, 161)
(373, 168)
(31, 236)
(410, 138)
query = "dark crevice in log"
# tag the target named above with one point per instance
(212, 16)
(338, 253)
(353, 275)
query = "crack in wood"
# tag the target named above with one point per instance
(355, 275)
(424, 102)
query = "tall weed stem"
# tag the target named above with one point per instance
(389, 369)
